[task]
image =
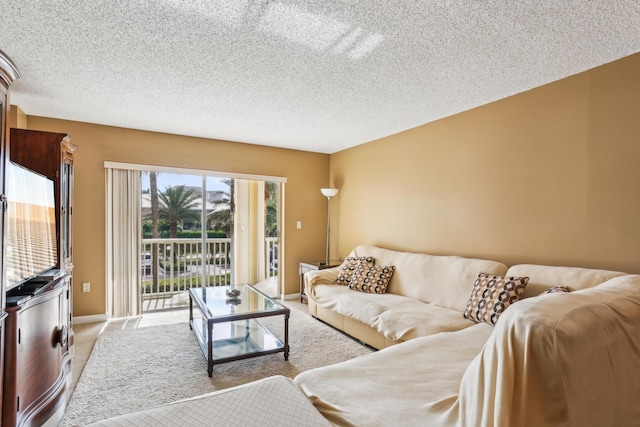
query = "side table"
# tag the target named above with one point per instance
(306, 266)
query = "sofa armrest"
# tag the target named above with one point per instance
(326, 276)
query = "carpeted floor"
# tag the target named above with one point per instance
(134, 369)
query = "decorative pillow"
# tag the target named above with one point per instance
(491, 295)
(555, 289)
(348, 267)
(372, 279)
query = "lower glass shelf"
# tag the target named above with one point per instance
(237, 339)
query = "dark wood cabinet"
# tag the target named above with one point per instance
(38, 328)
(8, 74)
(37, 357)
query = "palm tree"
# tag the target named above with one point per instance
(271, 208)
(176, 206)
(222, 219)
(271, 191)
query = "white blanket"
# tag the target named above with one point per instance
(564, 359)
(404, 385)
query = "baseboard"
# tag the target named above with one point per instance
(94, 318)
(288, 297)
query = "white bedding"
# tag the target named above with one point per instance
(270, 402)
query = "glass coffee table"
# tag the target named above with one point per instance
(238, 334)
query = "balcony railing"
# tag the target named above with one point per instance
(181, 264)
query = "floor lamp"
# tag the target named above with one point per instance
(329, 193)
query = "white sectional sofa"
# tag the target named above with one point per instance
(552, 359)
(563, 359)
(560, 359)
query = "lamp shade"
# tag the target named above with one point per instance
(329, 192)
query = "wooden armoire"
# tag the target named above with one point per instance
(38, 328)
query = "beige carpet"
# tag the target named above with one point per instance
(133, 369)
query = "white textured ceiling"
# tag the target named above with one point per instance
(318, 75)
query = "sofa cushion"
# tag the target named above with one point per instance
(396, 317)
(349, 266)
(492, 295)
(543, 277)
(417, 319)
(442, 280)
(371, 278)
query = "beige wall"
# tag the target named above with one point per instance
(306, 173)
(548, 176)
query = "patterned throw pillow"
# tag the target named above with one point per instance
(348, 267)
(491, 295)
(555, 289)
(372, 279)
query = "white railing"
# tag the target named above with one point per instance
(272, 256)
(181, 264)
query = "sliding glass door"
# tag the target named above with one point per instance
(203, 230)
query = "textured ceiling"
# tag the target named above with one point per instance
(318, 75)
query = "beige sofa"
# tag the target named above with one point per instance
(427, 293)
(561, 359)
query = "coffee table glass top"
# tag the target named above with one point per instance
(215, 302)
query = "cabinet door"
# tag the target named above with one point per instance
(3, 201)
(66, 211)
(66, 229)
(39, 373)
(4, 147)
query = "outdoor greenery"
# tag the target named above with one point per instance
(177, 205)
(163, 228)
(184, 283)
(222, 217)
(271, 215)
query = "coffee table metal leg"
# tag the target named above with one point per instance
(210, 348)
(190, 311)
(286, 336)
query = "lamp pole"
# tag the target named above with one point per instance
(329, 193)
